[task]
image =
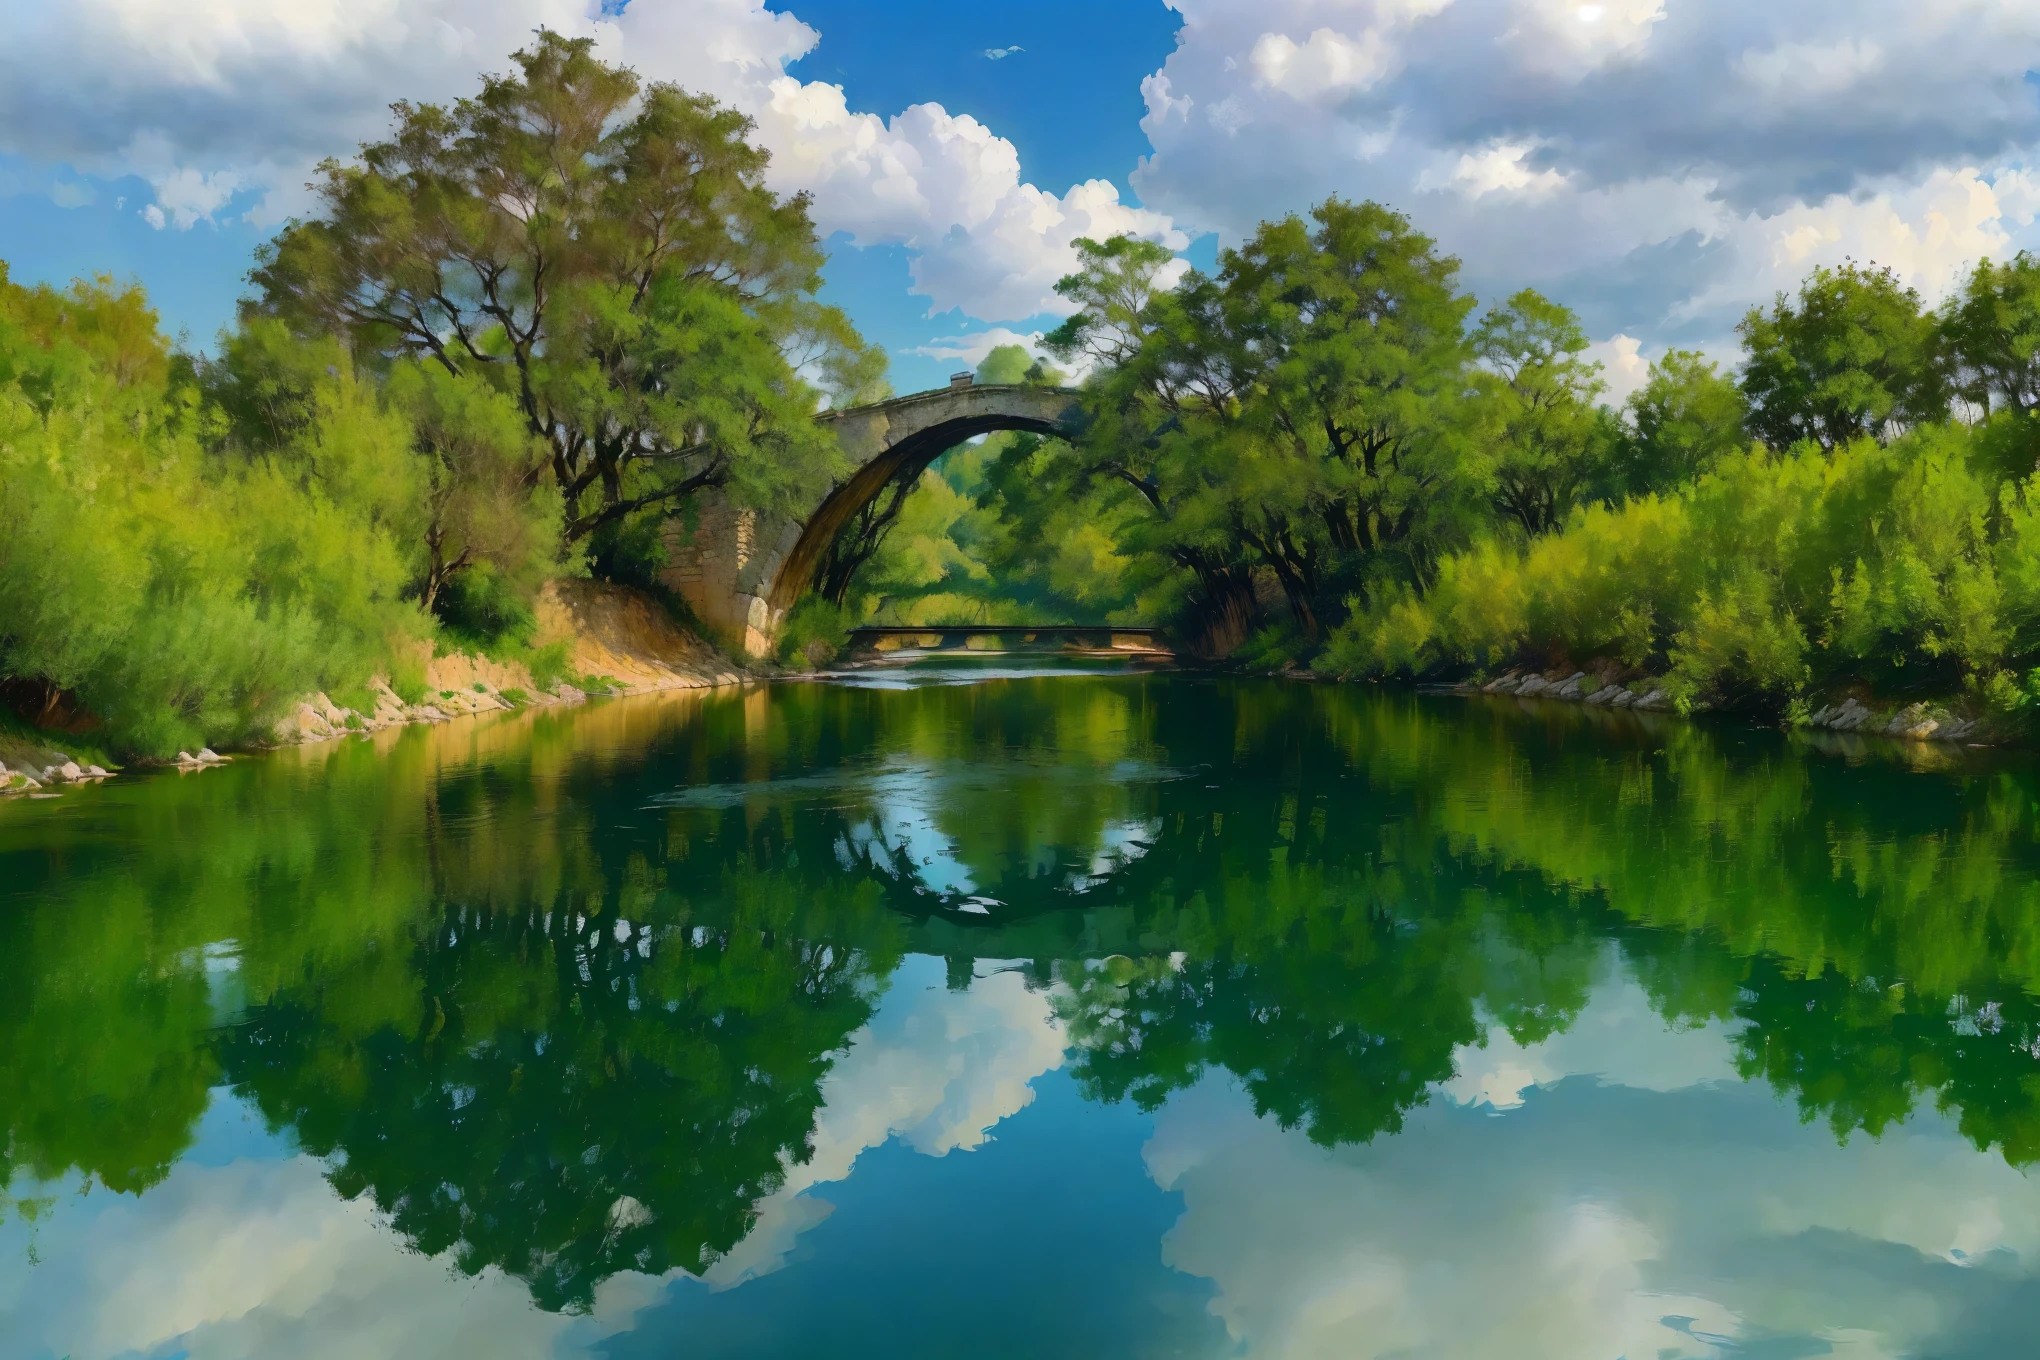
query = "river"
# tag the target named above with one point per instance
(956, 1012)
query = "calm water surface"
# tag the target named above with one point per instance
(963, 1014)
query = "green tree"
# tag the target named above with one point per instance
(1553, 442)
(1686, 415)
(1854, 355)
(1992, 330)
(480, 508)
(611, 250)
(179, 596)
(1298, 413)
(1143, 339)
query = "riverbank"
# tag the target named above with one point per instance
(1920, 720)
(615, 640)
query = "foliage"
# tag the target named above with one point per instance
(1300, 412)
(1992, 328)
(1552, 446)
(178, 597)
(983, 538)
(1853, 356)
(1686, 415)
(1753, 580)
(493, 1004)
(813, 633)
(607, 255)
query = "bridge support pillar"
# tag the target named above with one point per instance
(723, 560)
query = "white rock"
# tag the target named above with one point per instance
(1572, 688)
(1506, 685)
(1533, 685)
(69, 771)
(1655, 700)
(1623, 700)
(1605, 695)
(209, 756)
(95, 772)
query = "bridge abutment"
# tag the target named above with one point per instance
(724, 564)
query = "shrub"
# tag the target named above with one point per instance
(1903, 564)
(813, 634)
(181, 597)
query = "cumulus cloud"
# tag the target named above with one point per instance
(936, 1069)
(972, 349)
(1325, 63)
(1562, 144)
(1623, 367)
(1612, 1193)
(1565, 144)
(1570, 37)
(257, 1256)
(226, 106)
(260, 1258)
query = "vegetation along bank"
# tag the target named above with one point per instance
(528, 331)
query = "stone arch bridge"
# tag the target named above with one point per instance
(741, 571)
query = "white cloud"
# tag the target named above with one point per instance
(258, 1258)
(1001, 53)
(1620, 1038)
(1811, 70)
(1570, 37)
(1497, 167)
(1926, 233)
(1661, 167)
(1623, 367)
(1006, 264)
(972, 349)
(2018, 195)
(225, 106)
(936, 1069)
(1323, 64)
(1664, 1210)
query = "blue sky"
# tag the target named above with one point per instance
(1660, 165)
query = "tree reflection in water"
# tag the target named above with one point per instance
(559, 992)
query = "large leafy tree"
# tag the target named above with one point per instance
(1686, 415)
(1298, 413)
(607, 253)
(1853, 356)
(1554, 442)
(1162, 402)
(1992, 330)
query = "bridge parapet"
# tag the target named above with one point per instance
(740, 571)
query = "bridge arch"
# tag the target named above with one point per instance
(893, 443)
(741, 575)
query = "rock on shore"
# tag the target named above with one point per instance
(613, 634)
(1579, 687)
(1913, 722)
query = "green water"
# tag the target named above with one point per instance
(961, 1012)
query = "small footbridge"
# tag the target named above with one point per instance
(740, 571)
(1089, 640)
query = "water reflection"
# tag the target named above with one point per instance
(1660, 1038)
